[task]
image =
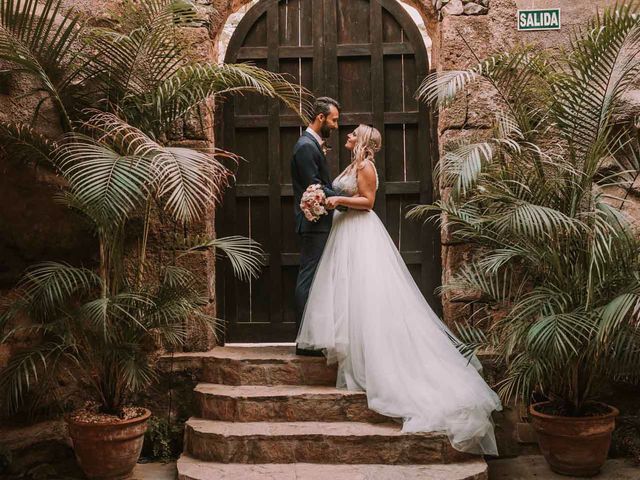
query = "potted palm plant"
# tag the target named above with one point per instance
(542, 197)
(116, 92)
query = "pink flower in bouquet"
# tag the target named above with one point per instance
(313, 203)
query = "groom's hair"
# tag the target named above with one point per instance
(323, 105)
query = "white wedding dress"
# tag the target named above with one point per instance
(366, 313)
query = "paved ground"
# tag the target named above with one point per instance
(529, 467)
(534, 467)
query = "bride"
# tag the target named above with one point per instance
(365, 312)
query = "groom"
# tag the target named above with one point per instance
(308, 167)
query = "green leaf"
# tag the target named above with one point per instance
(49, 285)
(185, 180)
(616, 313)
(463, 167)
(104, 184)
(192, 84)
(41, 39)
(246, 255)
(26, 143)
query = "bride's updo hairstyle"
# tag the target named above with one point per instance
(368, 143)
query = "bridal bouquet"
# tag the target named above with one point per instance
(313, 202)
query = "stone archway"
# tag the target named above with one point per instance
(232, 21)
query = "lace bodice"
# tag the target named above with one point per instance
(346, 184)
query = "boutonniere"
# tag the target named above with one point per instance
(325, 148)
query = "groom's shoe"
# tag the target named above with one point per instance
(308, 353)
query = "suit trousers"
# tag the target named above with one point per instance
(310, 253)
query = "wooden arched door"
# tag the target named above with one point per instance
(370, 56)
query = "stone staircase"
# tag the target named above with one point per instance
(265, 413)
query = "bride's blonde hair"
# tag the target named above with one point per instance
(368, 143)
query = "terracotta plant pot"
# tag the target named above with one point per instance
(575, 446)
(108, 451)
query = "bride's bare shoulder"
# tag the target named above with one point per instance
(367, 165)
(368, 169)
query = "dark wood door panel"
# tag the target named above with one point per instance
(369, 55)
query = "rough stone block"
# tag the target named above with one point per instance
(455, 256)
(192, 469)
(19, 437)
(263, 366)
(455, 312)
(196, 125)
(465, 37)
(449, 139)
(471, 8)
(454, 7)
(195, 144)
(285, 403)
(314, 442)
(628, 107)
(176, 131)
(197, 42)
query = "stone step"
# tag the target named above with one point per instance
(283, 403)
(192, 469)
(257, 365)
(314, 442)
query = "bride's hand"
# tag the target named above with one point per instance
(332, 202)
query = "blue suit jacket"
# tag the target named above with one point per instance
(309, 166)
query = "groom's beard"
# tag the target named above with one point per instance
(325, 130)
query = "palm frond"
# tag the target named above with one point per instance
(441, 88)
(509, 73)
(246, 255)
(104, 184)
(603, 60)
(496, 259)
(137, 373)
(179, 278)
(179, 305)
(495, 286)
(131, 64)
(470, 340)
(24, 142)
(559, 335)
(536, 221)
(104, 312)
(185, 180)
(463, 166)
(622, 309)
(508, 132)
(49, 285)
(42, 40)
(457, 212)
(424, 212)
(168, 13)
(190, 85)
(624, 349)
(25, 369)
(189, 181)
(522, 378)
(208, 323)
